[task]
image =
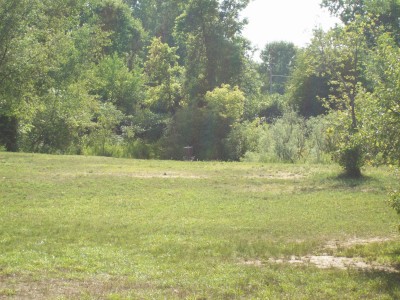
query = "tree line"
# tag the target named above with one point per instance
(144, 79)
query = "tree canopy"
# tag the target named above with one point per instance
(147, 78)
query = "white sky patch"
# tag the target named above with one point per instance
(284, 20)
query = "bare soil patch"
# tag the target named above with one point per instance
(142, 175)
(278, 175)
(329, 261)
(336, 244)
(21, 288)
(325, 261)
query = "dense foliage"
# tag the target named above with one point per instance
(146, 78)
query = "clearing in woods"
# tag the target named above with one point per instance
(75, 227)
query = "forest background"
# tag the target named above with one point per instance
(144, 79)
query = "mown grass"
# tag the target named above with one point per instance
(103, 228)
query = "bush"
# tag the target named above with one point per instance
(317, 144)
(351, 158)
(394, 197)
(243, 138)
(8, 132)
(283, 141)
(346, 144)
(394, 201)
(272, 107)
(292, 138)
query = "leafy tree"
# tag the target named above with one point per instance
(60, 121)
(197, 30)
(224, 108)
(205, 128)
(227, 102)
(57, 106)
(277, 61)
(384, 13)
(381, 107)
(104, 134)
(387, 16)
(186, 129)
(125, 32)
(272, 107)
(14, 67)
(209, 34)
(306, 88)
(346, 10)
(230, 11)
(158, 16)
(41, 67)
(341, 54)
(163, 77)
(113, 82)
(250, 84)
(13, 26)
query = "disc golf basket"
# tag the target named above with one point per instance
(188, 153)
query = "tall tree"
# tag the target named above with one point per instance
(277, 62)
(163, 77)
(125, 32)
(57, 107)
(158, 16)
(383, 13)
(381, 107)
(306, 87)
(205, 128)
(341, 54)
(346, 10)
(113, 82)
(36, 40)
(209, 33)
(14, 16)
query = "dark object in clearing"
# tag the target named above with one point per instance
(188, 153)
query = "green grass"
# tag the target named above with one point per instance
(102, 228)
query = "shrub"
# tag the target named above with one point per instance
(351, 158)
(282, 141)
(346, 144)
(317, 144)
(292, 138)
(243, 138)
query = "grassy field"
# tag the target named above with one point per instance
(102, 228)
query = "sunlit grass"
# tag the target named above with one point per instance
(117, 228)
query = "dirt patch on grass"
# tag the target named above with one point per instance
(326, 261)
(336, 244)
(277, 175)
(16, 287)
(175, 174)
(143, 175)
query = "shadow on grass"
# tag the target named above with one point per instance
(388, 282)
(394, 257)
(348, 181)
(344, 181)
(341, 181)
